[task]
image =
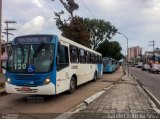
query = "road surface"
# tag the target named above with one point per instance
(29, 104)
(149, 80)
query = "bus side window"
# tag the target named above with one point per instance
(93, 58)
(74, 54)
(96, 59)
(88, 57)
(63, 60)
(100, 60)
(82, 56)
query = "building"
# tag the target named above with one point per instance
(151, 56)
(134, 52)
(4, 50)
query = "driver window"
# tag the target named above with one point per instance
(63, 60)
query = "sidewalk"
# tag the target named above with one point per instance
(125, 99)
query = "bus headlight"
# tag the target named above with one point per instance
(8, 80)
(47, 81)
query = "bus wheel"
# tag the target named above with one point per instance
(72, 85)
(95, 76)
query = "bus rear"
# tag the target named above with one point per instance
(31, 65)
(107, 65)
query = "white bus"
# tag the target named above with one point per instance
(49, 65)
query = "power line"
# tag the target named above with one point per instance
(88, 8)
(8, 29)
(153, 45)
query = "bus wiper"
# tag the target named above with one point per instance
(38, 49)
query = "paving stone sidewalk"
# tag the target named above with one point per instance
(125, 99)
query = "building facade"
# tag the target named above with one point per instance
(152, 57)
(134, 52)
(4, 53)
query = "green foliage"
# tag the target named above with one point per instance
(110, 49)
(89, 33)
(77, 32)
(100, 31)
(70, 6)
(73, 28)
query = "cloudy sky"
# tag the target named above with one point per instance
(139, 20)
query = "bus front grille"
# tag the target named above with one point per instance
(26, 77)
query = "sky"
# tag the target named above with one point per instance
(139, 20)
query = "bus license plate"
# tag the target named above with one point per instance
(25, 89)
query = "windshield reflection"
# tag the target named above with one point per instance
(31, 58)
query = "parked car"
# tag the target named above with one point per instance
(145, 67)
(155, 68)
(140, 64)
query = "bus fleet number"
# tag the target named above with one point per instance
(20, 66)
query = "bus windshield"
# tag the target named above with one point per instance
(30, 58)
(106, 62)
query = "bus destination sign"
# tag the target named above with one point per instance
(33, 39)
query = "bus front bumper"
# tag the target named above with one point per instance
(48, 89)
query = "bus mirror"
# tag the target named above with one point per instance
(3, 67)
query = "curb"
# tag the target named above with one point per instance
(150, 95)
(83, 105)
(87, 101)
(124, 71)
(153, 98)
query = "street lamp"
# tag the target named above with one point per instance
(125, 55)
(124, 51)
(127, 50)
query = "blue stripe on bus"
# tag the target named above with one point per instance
(100, 67)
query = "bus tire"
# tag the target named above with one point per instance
(72, 86)
(95, 76)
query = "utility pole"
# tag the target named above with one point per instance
(153, 45)
(127, 51)
(0, 31)
(8, 29)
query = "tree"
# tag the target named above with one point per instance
(70, 6)
(110, 49)
(89, 33)
(72, 28)
(100, 31)
(77, 32)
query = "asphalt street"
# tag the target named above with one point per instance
(150, 80)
